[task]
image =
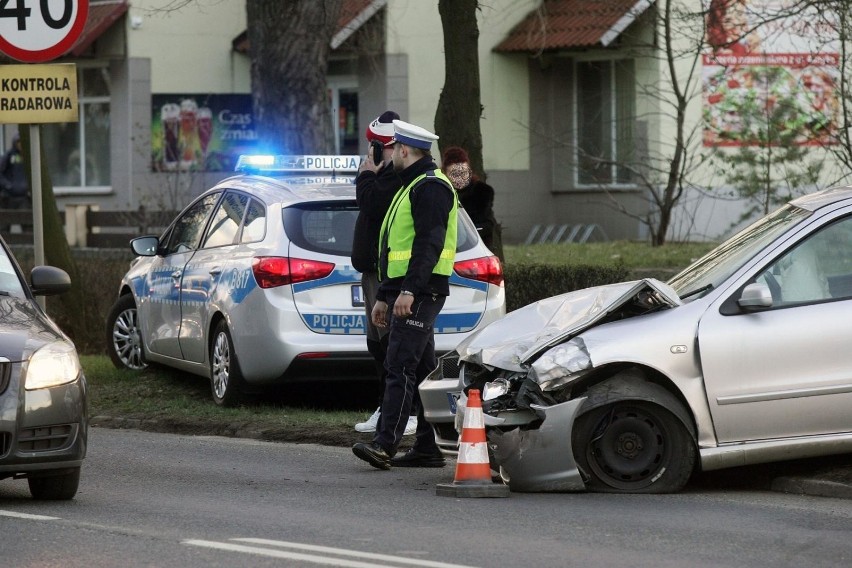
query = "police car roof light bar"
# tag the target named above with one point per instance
(300, 164)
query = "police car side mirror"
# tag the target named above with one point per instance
(145, 246)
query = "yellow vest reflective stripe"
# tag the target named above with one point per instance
(398, 232)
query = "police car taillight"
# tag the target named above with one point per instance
(273, 271)
(485, 269)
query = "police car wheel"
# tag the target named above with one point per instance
(123, 337)
(225, 378)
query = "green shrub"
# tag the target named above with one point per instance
(527, 283)
(101, 270)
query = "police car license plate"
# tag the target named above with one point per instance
(357, 295)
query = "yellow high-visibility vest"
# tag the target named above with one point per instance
(398, 231)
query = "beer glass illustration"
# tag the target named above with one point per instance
(170, 119)
(188, 132)
(205, 132)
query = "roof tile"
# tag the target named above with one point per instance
(564, 24)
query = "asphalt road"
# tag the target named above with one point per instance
(150, 499)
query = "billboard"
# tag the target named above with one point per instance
(200, 132)
(768, 76)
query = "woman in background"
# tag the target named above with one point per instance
(476, 196)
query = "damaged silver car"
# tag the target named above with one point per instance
(740, 359)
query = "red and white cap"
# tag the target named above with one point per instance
(381, 129)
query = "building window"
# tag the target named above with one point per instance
(78, 153)
(343, 97)
(605, 116)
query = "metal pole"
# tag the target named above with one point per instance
(38, 216)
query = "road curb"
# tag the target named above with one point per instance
(797, 485)
(816, 487)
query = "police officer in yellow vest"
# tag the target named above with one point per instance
(417, 246)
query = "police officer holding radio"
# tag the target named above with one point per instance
(417, 245)
(375, 186)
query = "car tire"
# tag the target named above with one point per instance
(633, 446)
(54, 487)
(226, 382)
(123, 336)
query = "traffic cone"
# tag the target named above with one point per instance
(473, 471)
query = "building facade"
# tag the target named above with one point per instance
(574, 93)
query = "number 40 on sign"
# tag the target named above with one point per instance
(36, 31)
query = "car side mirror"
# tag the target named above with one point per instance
(755, 297)
(49, 281)
(145, 246)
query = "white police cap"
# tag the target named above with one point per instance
(412, 135)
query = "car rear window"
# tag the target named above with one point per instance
(322, 227)
(327, 227)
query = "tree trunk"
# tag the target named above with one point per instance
(69, 314)
(460, 106)
(289, 50)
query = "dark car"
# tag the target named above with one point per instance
(43, 412)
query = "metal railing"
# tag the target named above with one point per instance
(540, 234)
(86, 226)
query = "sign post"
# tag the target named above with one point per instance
(36, 32)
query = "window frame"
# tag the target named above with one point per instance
(614, 138)
(82, 102)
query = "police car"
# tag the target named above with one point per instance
(252, 283)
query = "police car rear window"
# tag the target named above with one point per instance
(328, 227)
(322, 227)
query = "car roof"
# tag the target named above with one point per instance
(814, 201)
(289, 179)
(289, 189)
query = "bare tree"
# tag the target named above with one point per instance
(289, 46)
(460, 107)
(828, 26)
(662, 167)
(68, 310)
(831, 22)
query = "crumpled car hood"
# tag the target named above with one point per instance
(519, 336)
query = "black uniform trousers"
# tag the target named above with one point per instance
(410, 358)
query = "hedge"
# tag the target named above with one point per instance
(101, 272)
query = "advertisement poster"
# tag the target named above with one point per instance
(763, 72)
(200, 132)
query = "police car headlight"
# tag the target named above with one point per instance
(52, 365)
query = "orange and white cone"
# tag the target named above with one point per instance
(473, 470)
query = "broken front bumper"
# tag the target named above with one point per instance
(540, 459)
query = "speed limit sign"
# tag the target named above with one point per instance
(35, 31)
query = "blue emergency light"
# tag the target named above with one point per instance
(284, 164)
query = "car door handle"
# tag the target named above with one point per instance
(176, 274)
(215, 271)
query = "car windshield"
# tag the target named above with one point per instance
(10, 284)
(713, 268)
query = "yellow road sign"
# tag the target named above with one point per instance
(32, 94)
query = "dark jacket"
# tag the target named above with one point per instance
(374, 193)
(478, 200)
(431, 203)
(13, 175)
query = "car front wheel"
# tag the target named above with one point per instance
(48, 486)
(225, 378)
(123, 336)
(633, 447)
